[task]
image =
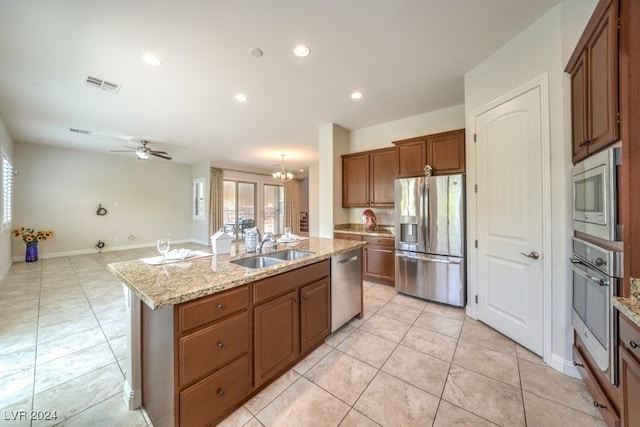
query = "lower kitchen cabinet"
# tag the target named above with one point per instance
(629, 356)
(315, 314)
(379, 259)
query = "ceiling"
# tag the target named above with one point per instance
(406, 56)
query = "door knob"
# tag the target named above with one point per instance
(533, 254)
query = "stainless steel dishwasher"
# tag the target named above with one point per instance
(346, 287)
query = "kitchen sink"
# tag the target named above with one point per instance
(257, 262)
(289, 255)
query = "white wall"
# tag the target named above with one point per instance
(541, 49)
(333, 142)
(60, 189)
(6, 144)
(304, 195)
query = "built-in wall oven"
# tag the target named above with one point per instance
(595, 195)
(596, 276)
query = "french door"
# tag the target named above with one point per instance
(273, 209)
(239, 207)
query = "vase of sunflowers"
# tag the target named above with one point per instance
(31, 239)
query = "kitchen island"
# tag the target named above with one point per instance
(206, 334)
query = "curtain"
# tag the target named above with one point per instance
(216, 199)
(292, 205)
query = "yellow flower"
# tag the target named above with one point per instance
(15, 233)
(28, 238)
(40, 237)
(29, 235)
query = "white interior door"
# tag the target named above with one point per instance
(510, 219)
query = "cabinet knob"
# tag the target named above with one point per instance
(220, 392)
(297, 301)
(598, 405)
(304, 298)
(577, 364)
(633, 344)
(220, 345)
(220, 306)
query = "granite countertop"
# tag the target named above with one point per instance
(380, 230)
(629, 307)
(173, 283)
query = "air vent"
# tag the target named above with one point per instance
(81, 131)
(102, 84)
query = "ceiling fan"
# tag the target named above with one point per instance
(143, 152)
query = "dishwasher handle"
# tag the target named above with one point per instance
(348, 260)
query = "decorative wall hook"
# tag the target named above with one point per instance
(100, 245)
(101, 211)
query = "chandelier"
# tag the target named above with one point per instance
(282, 175)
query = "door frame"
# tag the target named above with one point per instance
(541, 82)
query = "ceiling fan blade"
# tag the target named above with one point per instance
(123, 151)
(155, 153)
(158, 152)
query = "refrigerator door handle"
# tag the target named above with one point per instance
(425, 258)
(425, 211)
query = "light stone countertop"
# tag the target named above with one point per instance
(174, 283)
(380, 230)
(629, 307)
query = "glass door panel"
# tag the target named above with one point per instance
(239, 207)
(273, 212)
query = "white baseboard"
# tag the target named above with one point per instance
(106, 249)
(563, 365)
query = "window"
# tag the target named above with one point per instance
(7, 191)
(239, 207)
(198, 198)
(273, 210)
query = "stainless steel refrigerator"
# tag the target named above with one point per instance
(429, 221)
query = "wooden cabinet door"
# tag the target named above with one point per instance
(602, 58)
(315, 313)
(276, 335)
(355, 180)
(630, 387)
(382, 166)
(347, 236)
(411, 157)
(445, 152)
(579, 109)
(379, 259)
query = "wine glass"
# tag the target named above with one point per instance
(163, 246)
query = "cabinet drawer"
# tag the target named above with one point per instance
(204, 402)
(347, 236)
(382, 241)
(600, 399)
(276, 285)
(208, 309)
(211, 348)
(630, 335)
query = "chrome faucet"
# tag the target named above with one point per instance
(268, 236)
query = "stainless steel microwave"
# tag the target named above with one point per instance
(595, 195)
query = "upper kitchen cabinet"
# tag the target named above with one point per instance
(594, 83)
(367, 178)
(443, 152)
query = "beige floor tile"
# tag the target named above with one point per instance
(392, 402)
(356, 322)
(418, 369)
(338, 336)
(541, 412)
(367, 347)
(356, 419)
(57, 348)
(311, 359)
(480, 334)
(445, 310)
(488, 398)
(253, 422)
(304, 404)
(431, 343)
(66, 368)
(385, 327)
(119, 347)
(528, 355)
(56, 326)
(381, 291)
(16, 387)
(114, 329)
(451, 415)
(114, 313)
(439, 323)
(373, 303)
(342, 375)
(399, 312)
(239, 417)
(111, 412)
(546, 382)
(18, 336)
(258, 402)
(487, 362)
(409, 301)
(17, 361)
(17, 414)
(74, 396)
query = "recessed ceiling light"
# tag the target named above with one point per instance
(151, 59)
(241, 97)
(301, 170)
(301, 50)
(356, 95)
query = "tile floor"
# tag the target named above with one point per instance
(407, 363)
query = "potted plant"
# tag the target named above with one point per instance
(31, 239)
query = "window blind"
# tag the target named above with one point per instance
(7, 191)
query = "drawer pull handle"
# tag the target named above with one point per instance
(220, 392)
(220, 345)
(577, 364)
(220, 306)
(633, 344)
(598, 405)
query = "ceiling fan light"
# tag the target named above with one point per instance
(142, 155)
